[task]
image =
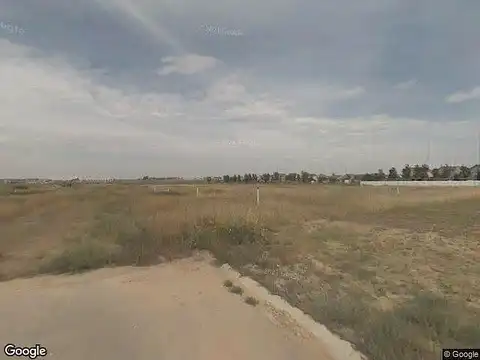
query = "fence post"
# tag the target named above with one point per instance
(197, 191)
(258, 195)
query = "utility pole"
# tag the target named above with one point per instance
(428, 152)
(478, 148)
(478, 157)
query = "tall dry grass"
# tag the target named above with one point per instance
(383, 270)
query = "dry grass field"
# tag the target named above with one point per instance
(398, 275)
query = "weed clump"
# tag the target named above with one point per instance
(250, 300)
(236, 290)
(81, 257)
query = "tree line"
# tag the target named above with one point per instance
(303, 176)
(408, 172)
(424, 172)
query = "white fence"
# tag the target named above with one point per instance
(451, 183)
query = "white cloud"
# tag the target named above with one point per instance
(406, 84)
(59, 121)
(349, 93)
(328, 93)
(462, 96)
(227, 89)
(187, 64)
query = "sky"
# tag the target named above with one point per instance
(127, 88)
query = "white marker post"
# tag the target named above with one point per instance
(197, 191)
(258, 195)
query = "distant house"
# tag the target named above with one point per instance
(334, 178)
(347, 178)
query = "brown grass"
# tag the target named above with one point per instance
(397, 275)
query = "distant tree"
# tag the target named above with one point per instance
(417, 172)
(392, 174)
(406, 172)
(369, 177)
(67, 183)
(424, 171)
(276, 176)
(304, 176)
(266, 177)
(420, 172)
(465, 173)
(291, 177)
(322, 177)
(446, 172)
(209, 179)
(226, 178)
(381, 175)
(145, 178)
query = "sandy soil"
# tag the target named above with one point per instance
(176, 311)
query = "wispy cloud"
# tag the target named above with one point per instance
(406, 84)
(348, 93)
(187, 64)
(463, 96)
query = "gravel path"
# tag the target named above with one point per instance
(176, 311)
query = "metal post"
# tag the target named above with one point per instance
(258, 195)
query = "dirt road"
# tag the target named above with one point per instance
(177, 311)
